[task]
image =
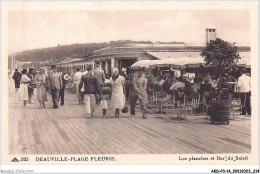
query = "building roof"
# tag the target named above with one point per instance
(175, 54)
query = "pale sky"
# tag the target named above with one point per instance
(40, 29)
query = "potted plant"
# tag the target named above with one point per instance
(220, 57)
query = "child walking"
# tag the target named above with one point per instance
(104, 100)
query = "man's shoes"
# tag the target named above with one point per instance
(242, 113)
(62, 104)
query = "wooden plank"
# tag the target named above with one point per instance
(216, 135)
(180, 147)
(30, 133)
(80, 135)
(210, 138)
(67, 131)
(54, 133)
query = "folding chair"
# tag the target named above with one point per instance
(235, 103)
(163, 101)
(192, 103)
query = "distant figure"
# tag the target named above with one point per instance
(17, 79)
(160, 82)
(178, 89)
(167, 83)
(128, 87)
(55, 84)
(41, 86)
(99, 73)
(197, 84)
(205, 90)
(244, 87)
(9, 72)
(64, 81)
(31, 86)
(118, 97)
(24, 87)
(89, 86)
(123, 73)
(188, 89)
(107, 81)
(139, 92)
(77, 78)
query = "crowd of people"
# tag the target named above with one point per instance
(53, 82)
(95, 88)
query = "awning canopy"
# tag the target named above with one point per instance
(182, 63)
(144, 63)
(171, 62)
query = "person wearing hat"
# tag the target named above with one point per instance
(24, 87)
(62, 90)
(77, 77)
(139, 92)
(89, 87)
(99, 73)
(55, 84)
(17, 79)
(31, 86)
(41, 86)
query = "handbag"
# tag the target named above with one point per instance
(125, 109)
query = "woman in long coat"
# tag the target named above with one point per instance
(24, 87)
(40, 81)
(118, 97)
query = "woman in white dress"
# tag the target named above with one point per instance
(24, 87)
(40, 81)
(118, 97)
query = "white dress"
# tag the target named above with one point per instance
(24, 87)
(118, 97)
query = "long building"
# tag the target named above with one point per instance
(124, 55)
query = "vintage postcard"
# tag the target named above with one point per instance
(93, 83)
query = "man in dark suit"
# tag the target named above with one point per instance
(17, 79)
(55, 83)
(64, 81)
(99, 73)
(89, 83)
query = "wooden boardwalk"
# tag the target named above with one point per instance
(67, 131)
